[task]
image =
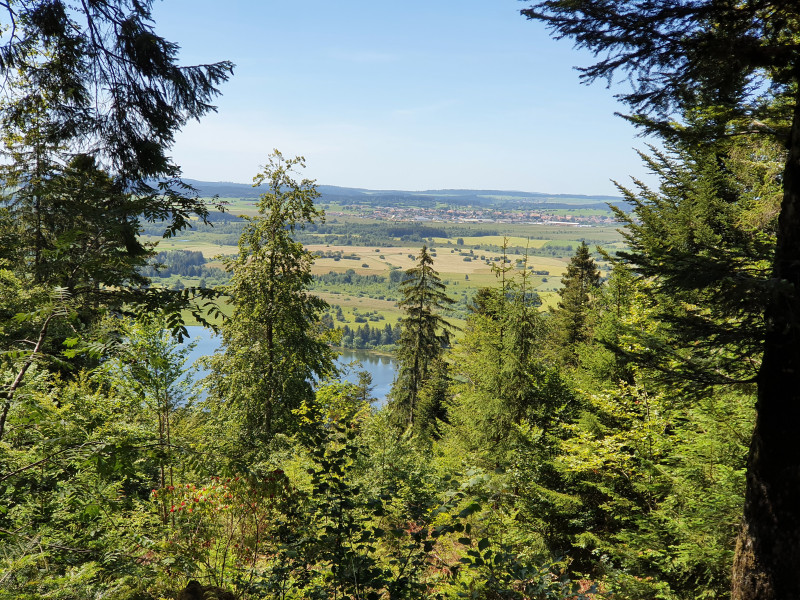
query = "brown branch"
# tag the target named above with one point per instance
(18, 380)
(56, 546)
(43, 460)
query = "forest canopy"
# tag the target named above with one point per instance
(603, 447)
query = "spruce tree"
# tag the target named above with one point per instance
(434, 400)
(425, 335)
(498, 361)
(740, 62)
(93, 99)
(608, 358)
(580, 283)
(273, 345)
(111, 84)
(705, 240)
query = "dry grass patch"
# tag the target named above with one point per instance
(549, 299)
(365, 303)
(497, 240)
(209, 250)
(387, 308)
(446, 262)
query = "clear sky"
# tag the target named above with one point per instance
(412, 95)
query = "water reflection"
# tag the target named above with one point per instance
(382, 368)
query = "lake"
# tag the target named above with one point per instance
(382, 368)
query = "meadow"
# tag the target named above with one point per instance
(353, 240)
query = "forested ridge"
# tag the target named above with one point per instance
(633, 441)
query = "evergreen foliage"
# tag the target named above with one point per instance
(706, 239)
(72, 230)
(510, 409)
(580, 284)
(606, 358)
(735, 66)
(425, 335)
(78, 465)
(180, 262)
(367, 337)
(94, 99)
(542, 455)
(273, 347)
(105, 80)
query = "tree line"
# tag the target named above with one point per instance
(366, 337)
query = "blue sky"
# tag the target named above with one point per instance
(420, 94)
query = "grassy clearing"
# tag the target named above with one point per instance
(578, 212)
(463, 268)
(463, 278)
(224, 306)
(557, 233)
(495, 240)
(191, 241)
(549, 299)
(240, 206)
(574, 243)
(448, 261)
(498, 240)
(578, 200)
(352, 306)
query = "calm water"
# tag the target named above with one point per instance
(382, 368)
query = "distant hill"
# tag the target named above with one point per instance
(486, 198)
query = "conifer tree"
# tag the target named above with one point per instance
(111, 84)
(433, 401)
(704, 240)
(425, 335)
(580, 283)
(273, 346)
(739, 61)
(93, 98)
(77, 229)
(499, 358)
(608, 359)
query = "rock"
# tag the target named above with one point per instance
(194, 590)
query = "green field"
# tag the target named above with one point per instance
(464, 266)
(495, 240)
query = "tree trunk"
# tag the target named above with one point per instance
(767, 560)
